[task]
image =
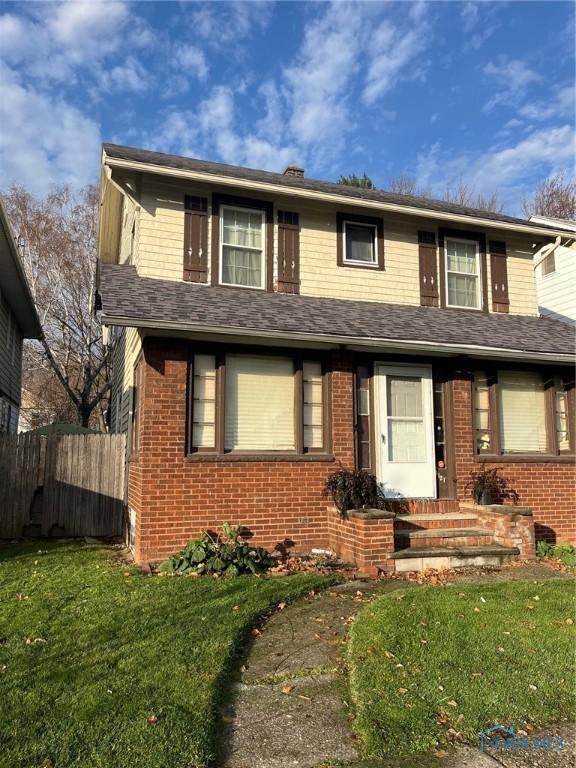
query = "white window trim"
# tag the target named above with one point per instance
(478, 273)
(221, 245)
(373, 227)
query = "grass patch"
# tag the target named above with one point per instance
(89, 649)
(462, 657)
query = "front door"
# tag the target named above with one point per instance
(405, 436)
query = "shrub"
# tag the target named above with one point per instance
(226, 554)
(564, 552)
(356, 489)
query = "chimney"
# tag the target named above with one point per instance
(294, 170)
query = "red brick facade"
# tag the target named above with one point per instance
(172, 498)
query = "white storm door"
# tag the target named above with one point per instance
(405, 431)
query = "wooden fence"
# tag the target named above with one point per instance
(61, 485)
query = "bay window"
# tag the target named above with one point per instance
(522, 413)
(463, 279)
(242, 258)
(256, 404)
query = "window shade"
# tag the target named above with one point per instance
(259, 404)
(522, 412)
(360, 243)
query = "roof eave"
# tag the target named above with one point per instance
(326, 196)
(349, 342)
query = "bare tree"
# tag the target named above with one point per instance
(59, 256)
(555, 196)
(461, 194)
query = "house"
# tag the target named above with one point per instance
(270, 328)
(18, 321)
(555, 270)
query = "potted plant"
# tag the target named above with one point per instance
(488, 486)
(355, 490)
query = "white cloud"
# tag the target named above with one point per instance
(229, 22)
(56, 40)
(512, 77)
(560, 105)
(44, 141)
(130, 76)
(192, 60)
(511, 171)
(469, 16)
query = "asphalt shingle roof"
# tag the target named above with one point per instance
(125, 294)
(134, 154)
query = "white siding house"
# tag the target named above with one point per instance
(555, 271)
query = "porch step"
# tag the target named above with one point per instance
(439, 537)
(435, 520)
(421, 558)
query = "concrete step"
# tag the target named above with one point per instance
(439, 537)
(435, 520)
(422, 558)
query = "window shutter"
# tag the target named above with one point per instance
(288, 252)
(428, 271)
(195, 239)
(500, 301)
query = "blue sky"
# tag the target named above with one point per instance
(440, 91)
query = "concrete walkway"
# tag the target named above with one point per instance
(289, 706)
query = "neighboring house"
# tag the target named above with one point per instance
(18, 321)
(555, 270)
(270, 329)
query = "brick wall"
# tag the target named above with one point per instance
(281, 502)
(549, 489)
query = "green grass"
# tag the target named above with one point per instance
(441, 638)
(88, 653)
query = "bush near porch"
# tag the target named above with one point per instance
(462, 658)
(90, 649)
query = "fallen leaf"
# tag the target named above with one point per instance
(441, 753)
(402, 691)
(477, 674)
(452, 703)
(569, 621)
(530, 607)
(281, 606)
(370, 650)
(287, 689)
(481, 598)
(476, 610)
(532, 687)
(152, 720)
(424, 642)
(235, 607)
(256, 632)
(536, 598)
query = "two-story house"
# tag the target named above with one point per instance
(18, 321)
(271, 329)
(555, 271)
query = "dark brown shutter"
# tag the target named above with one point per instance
(499, 275)
(195, 239)
(428, 271)
(288, 252)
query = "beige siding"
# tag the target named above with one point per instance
(127, 348)
(160, 238)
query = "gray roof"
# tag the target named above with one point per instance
(136, 155)
(149, 302)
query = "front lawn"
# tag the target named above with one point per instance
(461, 658)
(90, 649)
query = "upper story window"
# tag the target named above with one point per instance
(463, 279)
(549, 264)
(360, 244)
(242, 258)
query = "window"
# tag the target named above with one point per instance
(242, 258)
(242, 403)
(463, 273)
(549, 264)
(360, 243)
(259, 404)
(521, 413)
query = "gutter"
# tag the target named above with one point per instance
(276, 189)
(349, 342)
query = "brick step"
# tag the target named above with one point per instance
(439, 537)
(422, 558)
(426, 521)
